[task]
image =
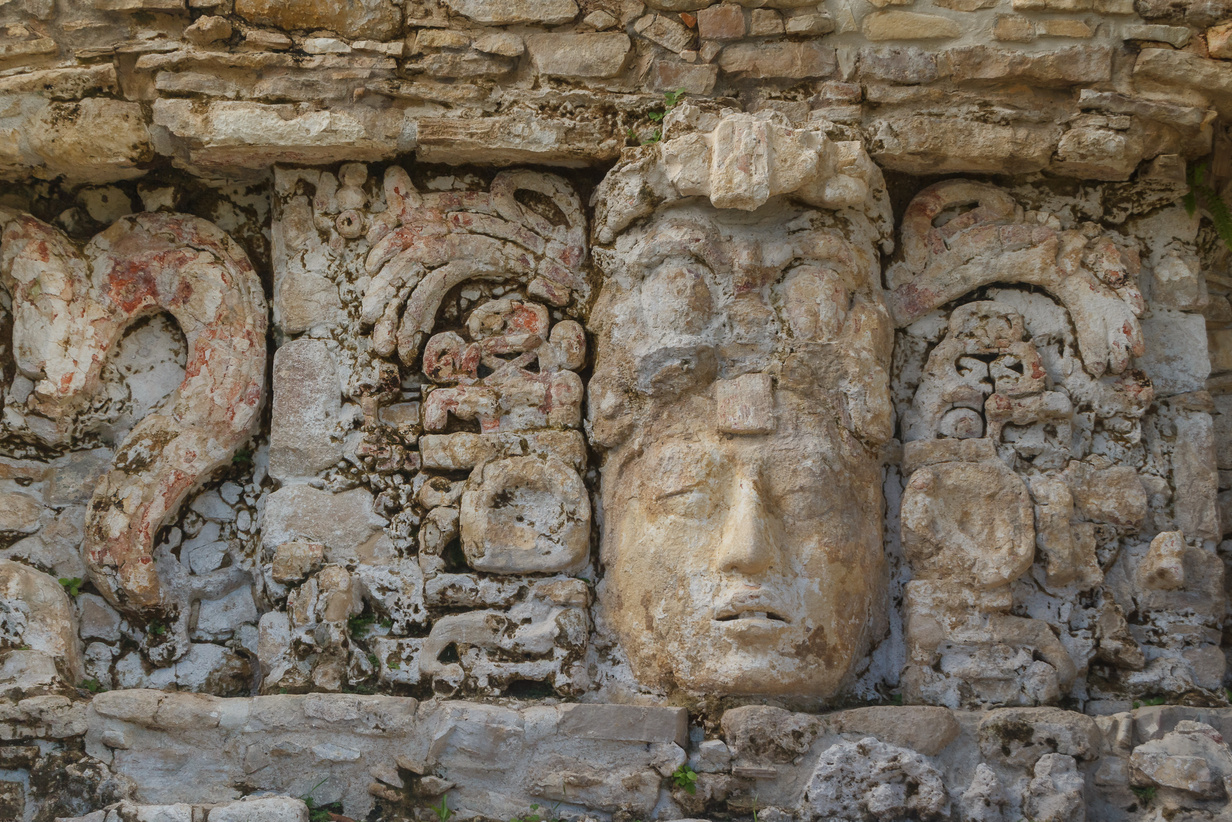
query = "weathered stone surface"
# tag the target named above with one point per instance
(95, 140)
(794, 60)
(855, 779)
(694, 528)
(579, 56)
(307, 401)
(909, 25)
(364, 18)
(344, 523)
(508, 12)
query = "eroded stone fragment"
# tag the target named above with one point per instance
(854, 780)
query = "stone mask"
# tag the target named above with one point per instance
(740, 388)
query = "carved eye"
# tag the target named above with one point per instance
(814, 303)
(676, 297)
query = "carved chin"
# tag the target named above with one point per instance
(741, 660)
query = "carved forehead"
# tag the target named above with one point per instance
(773, 237)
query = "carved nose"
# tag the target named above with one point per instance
(748, 544)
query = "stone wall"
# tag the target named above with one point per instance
(614, 410)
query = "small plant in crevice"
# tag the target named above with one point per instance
(72, 585)
(534, 815)
(242, 457)
(443, 811)
(1146, 793)
(1150, 702)
(359, 625)
(671, 99)
(1201, 193)
(92, 685)
(316, 813)
(686, 778)
(156, 628)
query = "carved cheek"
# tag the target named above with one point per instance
(814, 303)
(676, 298)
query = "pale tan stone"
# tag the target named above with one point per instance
(1014, 29)
(909, 25)
(97, 139)
(1219, 41)
(794, 59)
(1065, 28)
(765, 23)
(511, 12)
(579, 56)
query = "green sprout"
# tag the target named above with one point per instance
(1203, 194)
(359, 624)
(685, 777)
(72, 585)
(157, 628)
(442, 811)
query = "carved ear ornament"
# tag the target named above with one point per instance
(72, 304)
(959, 235)
(430, 242)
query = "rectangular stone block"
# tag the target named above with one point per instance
(624, 723)
(307, 402)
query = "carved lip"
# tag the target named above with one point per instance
(750, 606)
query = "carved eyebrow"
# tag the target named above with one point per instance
(692, 240)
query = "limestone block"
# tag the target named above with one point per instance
(376, 19)
(724, 21)
(344, 523)
(307, 403)
(969, 523)
(918, 144)
(208, 29)
(1187, 70)
(1022, 736)
(926, 729)
(909, 25)
(37, 613)
(294, 561)
(579, 56)
(512, 12)
(666, 32)
(93, 140)
(1176, 357)
(898, 65)
(624, 723)
(984, 800)
(1195, 476)
(525, 515)
(261, 809)
(1219, 41)
(1068, 66)
(870, 778)
(668, 75)
(19, 513)
(1056, 791)
(1193, 758)
(795, 60)
(397, 590)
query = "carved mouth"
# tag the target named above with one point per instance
(749, 609)
(770, 615)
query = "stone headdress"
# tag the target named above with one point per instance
(739, 160)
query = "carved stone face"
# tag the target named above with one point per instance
(742, 504)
